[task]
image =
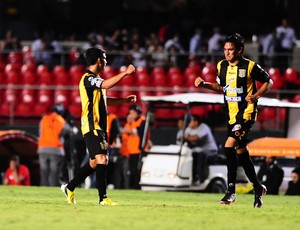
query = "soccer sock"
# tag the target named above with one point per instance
(232, 164)
(249, 169)
(101, 171)
(83, 173)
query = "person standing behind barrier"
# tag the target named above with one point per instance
(52, 129)
(16, 174)
(135, 132)
(236, 79)
(287, 36)
(122, 172)
(200, 139)
(271, 175)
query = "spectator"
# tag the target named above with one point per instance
(42, 50)
(195, 45)
(16, 174)
(133, 132)
(127, 138)
(138, 55)
(294, 185)
(52, 129)
(11, 42)
(287, 37)
(200, 139)
(271, 175)
(270, 47)
(215, 45)
(179, 135)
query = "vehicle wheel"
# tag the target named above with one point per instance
(216, 186)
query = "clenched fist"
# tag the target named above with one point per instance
(130, 69)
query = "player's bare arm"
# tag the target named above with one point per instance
(130, 99)
(111, 82)
(262, 90)
(199, 82)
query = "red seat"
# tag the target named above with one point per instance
(13, 77)
(2, 66)
(40, 109)
(162, 113)
(29, 78)
(6, 109)
(45, 78)
(27, 96)
(61, 96)
(209, 77)
(175, 79)
(61, 78)
(296, 98)
(45, 97)
(158, 70)
(23, 110)
(143, 79)
(291, 75)
(141, 70)
(108, 72)
(75, 109)
(201, 111)
(267, 117)
(75, 96)
(76, 69)
(189, 80)
(29, 67)
(2, 78)
(11, 95)
(174, 70)
(209, 68)
(193, 69)
(159, 79)
(278, 81)
(13, 67)
(60, 75)
(42, 69)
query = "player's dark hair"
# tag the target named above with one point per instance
(237, 40)
(92, 55)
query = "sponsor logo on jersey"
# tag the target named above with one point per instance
(242, 73)
(233, 99)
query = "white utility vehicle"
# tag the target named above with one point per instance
(169, 167)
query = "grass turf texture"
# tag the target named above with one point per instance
(47, 208)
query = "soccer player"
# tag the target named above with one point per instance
(236, 78)
(94, 122)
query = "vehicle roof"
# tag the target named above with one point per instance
(210, 98)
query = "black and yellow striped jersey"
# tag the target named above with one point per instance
(237, 82)
(93, 103)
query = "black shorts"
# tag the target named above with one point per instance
(96, 143)
(240, 132)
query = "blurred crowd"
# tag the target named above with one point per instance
(165, 47)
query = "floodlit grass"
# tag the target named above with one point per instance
(47, 208)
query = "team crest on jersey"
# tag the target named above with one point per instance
(242, 73)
